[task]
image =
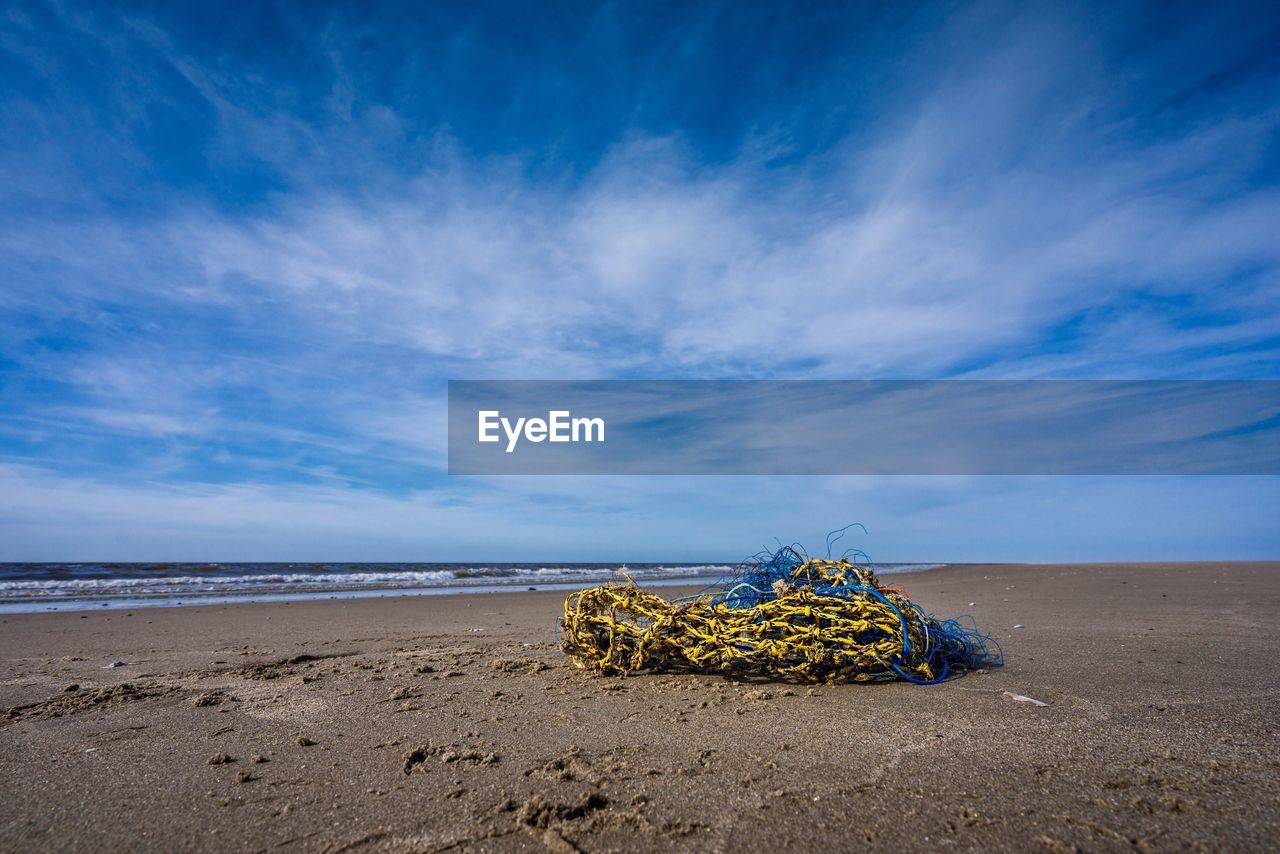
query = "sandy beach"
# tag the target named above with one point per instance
(455, 723)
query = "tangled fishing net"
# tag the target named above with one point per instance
(783, 615)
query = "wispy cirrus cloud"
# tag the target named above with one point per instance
(227, 264)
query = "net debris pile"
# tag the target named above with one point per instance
(783, 615)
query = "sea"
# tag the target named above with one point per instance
(27, 587)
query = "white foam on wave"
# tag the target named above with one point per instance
(466, 577)
(223, 582)
(189, 584)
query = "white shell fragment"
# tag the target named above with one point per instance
(1023, 698)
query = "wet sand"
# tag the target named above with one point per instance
(455, 723)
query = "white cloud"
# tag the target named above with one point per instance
(1005, 192)
(1009, 193)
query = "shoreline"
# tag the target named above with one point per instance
(425, 723)
(88, 602)
(249, 598)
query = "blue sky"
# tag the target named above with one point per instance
(241, 251)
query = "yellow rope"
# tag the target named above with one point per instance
(853, 629)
